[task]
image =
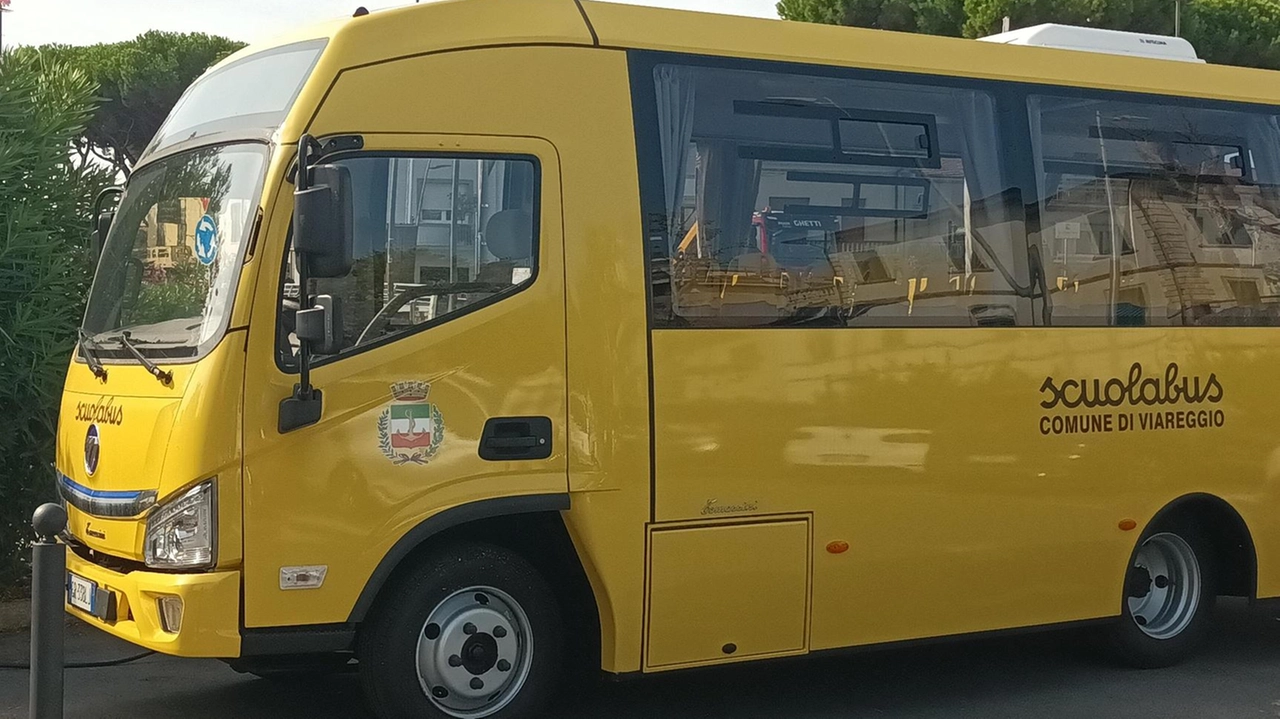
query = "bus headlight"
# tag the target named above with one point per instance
(182, 533)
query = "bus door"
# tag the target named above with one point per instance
(448, 385)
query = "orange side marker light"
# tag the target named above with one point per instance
(1128, 524)
(837, 547)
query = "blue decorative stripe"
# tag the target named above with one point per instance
(74, 486)
(104, 503)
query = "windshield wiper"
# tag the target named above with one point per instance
(87, 345)
(166, 378)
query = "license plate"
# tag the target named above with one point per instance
(81, 592)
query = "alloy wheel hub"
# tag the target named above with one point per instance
(474, 652)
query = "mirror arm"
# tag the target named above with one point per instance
(98, 236)
(304, 389)
(303, 407)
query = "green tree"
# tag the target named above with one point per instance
(179, 291)
(1235, 32)
(1229, 32)
(139, 81)
(44, 273)
(984, 17)
(975, 18)
(932, 17)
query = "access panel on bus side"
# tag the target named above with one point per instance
(727, 591)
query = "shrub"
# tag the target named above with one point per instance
(44, 275)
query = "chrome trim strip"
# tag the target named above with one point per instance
(106, 504)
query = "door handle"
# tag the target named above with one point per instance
(515, 438)
(512, 442)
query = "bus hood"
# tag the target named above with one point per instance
(127, 444)
(111, 452)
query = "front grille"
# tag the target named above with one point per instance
(119, 565)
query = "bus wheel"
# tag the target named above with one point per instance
(473, 631)
(1168, 599)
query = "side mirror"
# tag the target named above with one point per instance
(102, 220)
(322, 223)
(321, 324)
(102, 225)
(322, 243)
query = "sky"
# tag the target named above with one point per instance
(83, 22)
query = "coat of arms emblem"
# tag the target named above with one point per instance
(410, 429)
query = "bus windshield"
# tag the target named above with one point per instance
(170, 263)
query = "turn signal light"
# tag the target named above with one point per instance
(170, 613)
(837, 547)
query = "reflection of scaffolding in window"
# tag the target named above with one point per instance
(435, 209)
(1113, 296)
(1169, 241)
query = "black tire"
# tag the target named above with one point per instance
(388, 641)
(1127, 639)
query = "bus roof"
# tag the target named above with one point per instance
(456, 24)
(680, 31)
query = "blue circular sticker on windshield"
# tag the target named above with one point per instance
(206, 240)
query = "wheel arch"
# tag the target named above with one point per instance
(1227, 532)
(531, 526)
(443, 522)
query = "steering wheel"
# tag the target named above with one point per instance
(388, 310)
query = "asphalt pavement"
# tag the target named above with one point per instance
(1059, 674)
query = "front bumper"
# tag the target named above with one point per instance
(211, 609)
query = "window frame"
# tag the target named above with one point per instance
(536, 256)
(1016, 161)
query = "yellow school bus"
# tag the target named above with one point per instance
(466, 341)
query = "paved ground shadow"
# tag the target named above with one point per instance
(1055, 674)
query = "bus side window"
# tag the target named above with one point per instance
(1157, 214)
(793, 199)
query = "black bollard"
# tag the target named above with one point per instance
(48, 592)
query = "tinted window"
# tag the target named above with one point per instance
(791, 199)
(1157, 213)
(255, 92)
(434, 237)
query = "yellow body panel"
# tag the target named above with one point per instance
(155, 437)
(919, 448)
(922, 449)
(588, 113)
(748, 598)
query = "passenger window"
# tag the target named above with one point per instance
(435, 237)
(802, 200)
(1157, 214)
